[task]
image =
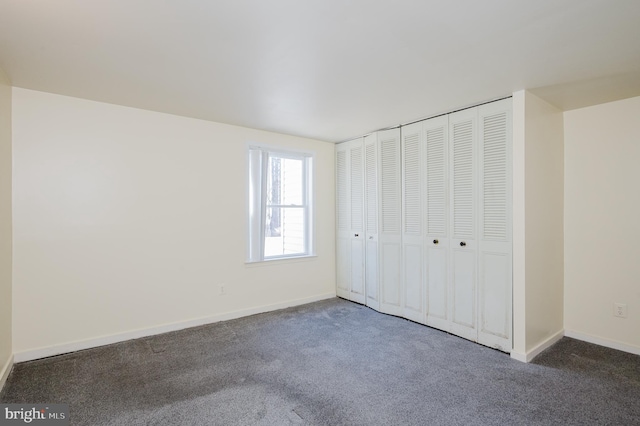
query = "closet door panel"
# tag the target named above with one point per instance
(463, 181)
(390, 236)
(436, 135)
(342, 268)
(356, 203)
(350, 255)
(371, 221)
(371, 274)
(438, 287)
(357, 270)
(413, 282)
(495, 300)
(463, 321)
(495, 247)
(343, 220)
(391, 255)
(413, 222)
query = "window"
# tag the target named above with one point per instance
(280, 205)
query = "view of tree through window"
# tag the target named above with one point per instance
(285, 207)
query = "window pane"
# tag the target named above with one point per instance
(292, 181)
(285, 181)
(284, 232)
(274, 182)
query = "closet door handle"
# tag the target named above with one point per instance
(356, 235)
(435, 241)
(462, 244)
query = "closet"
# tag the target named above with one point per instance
(424, 222)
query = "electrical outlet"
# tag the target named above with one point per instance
(222, 289)
(620, 310)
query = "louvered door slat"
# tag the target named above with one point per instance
(372, 196)
(436, 181)
(341, 172)
(462, 139)
(357, 184)
(495, 177)
(390, 202)
(412, 188)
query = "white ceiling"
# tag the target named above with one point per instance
(325, 69)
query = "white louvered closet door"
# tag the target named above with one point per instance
(343, 222)
(463, 253)
(350, 220)
(424, 222)
(413, 265)
(436, 137)
(390, 222)
(356, 203)
(495, 242)
(371, 221)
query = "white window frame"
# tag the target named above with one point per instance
(257, 168)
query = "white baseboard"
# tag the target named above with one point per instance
(547, 343)
(79, 345)
(519, 356)
(613, 344)
(4, 372)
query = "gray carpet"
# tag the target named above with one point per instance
(330, 363)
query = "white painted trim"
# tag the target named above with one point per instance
(613, 344)
(4, 373)
(518, 192)
(518, 356)
(547, 343)
(79, 345)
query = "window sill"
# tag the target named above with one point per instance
(293, 259)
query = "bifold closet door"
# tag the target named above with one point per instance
(464, 246)
(424, 222)
(436, 131)
(495, 248)
(343, 220)
(413, 265)
(371, 221)
(350, 256)
(390, 226)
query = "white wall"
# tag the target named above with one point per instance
(602, 226)
(127, 219)
(6, 350)
(544, 244)
(537, 225)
